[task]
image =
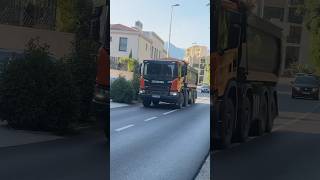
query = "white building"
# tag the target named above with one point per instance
(141, 44)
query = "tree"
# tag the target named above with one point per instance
(130, 62)
(83, 62)
(311, 12)
(66, 15)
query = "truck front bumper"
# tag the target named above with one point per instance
(162, 98)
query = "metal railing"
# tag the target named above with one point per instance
(30, 13)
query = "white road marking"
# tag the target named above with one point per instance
(149, 119)
(170, 112)
(123, 128)
(298, 118)
(277, 128)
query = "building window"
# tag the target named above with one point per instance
(123, 43)
(273, 13)
(294, 16)
(110, 38)
(294, 34)
(202, 72)
(292, 55)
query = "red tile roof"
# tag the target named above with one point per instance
(121, 27)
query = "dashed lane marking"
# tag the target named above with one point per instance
(170, 112)
(123, 128)
(149, 119)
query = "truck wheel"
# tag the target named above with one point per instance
(155, 102)
(180, 101)
(272, 114)
(262, 121)
(146, 103)
(185, 99)
(227, 118)
(244, 120)
(190, 98)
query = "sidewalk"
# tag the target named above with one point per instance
(12, 137)
(117, 105)
(204, 173)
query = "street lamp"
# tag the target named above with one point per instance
(170, 28)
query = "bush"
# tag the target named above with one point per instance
(121, 91)
(38, 92)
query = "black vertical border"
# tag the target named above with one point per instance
(108, 86)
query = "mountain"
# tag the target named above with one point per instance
(175, 52)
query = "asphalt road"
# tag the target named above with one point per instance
(291, 151)
(159, 143)
(81, 157)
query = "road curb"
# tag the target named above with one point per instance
(204, 171)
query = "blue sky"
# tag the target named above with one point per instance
(191, 20)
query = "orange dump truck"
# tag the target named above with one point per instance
(246, 60)
(168, 80)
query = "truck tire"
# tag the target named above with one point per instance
(155, 102)
(185, 98)
(228, 114)
(262, 121)
(190, 98)
(272, 114)
(244, 121)
(146, 103)
(180, 101)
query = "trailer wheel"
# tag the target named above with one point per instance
(146, 103)
(244, 121)
(227, 118)
(262, 122)
(272, 114)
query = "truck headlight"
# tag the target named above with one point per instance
(315, 89)
(173, 93)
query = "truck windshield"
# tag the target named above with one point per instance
(160, 70)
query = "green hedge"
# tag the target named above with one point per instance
(38, 93)
(121, 91)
